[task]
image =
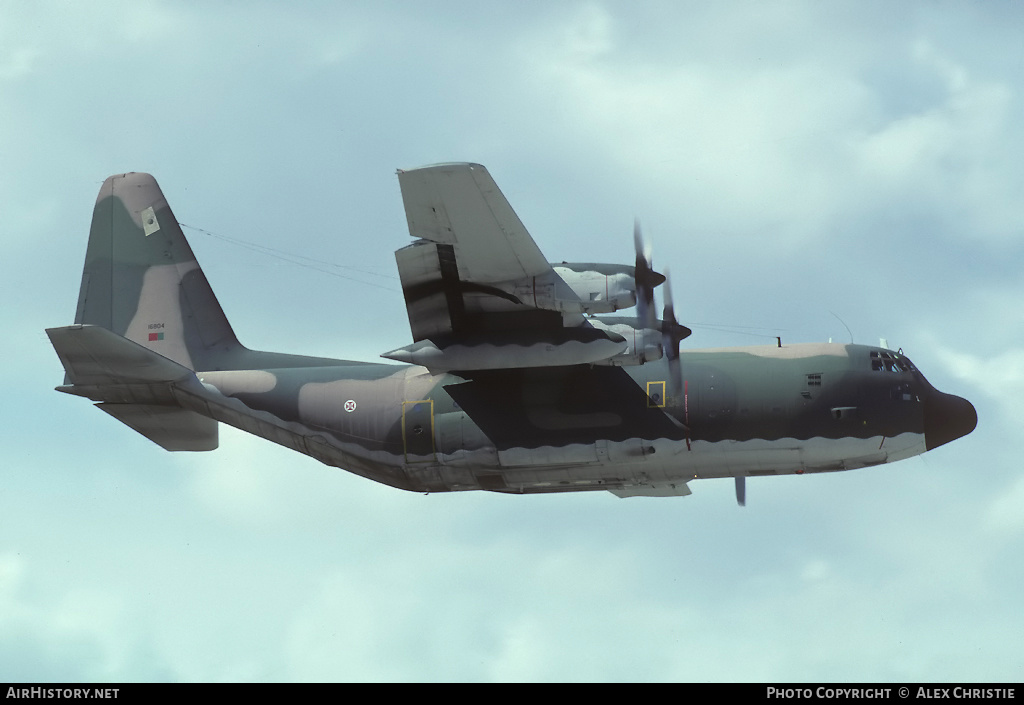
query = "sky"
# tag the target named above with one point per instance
(844, 170)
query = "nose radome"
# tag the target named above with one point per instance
(946, 418)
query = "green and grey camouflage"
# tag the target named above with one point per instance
(512, 382)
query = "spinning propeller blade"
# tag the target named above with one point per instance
(671, 334)
(646, 279)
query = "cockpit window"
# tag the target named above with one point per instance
(886, 361)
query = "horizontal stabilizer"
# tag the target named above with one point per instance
(128, 378)
(95, 356)
(170, 427)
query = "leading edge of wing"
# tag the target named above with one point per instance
(459, 204)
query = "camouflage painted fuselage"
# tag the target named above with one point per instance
(746, 411)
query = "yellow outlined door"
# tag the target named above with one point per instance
(418, 430)
(656, 394)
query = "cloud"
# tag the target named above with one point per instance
(17, 63)
(796, 146)
(1000, 376)
(950, 157)
(76, 634)
(1006, 513)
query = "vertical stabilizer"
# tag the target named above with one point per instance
(142, 281)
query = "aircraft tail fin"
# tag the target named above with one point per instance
(142, 281)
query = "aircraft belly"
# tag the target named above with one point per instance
(728, 458)
(904, 446)
(788, 455)
(671, 465)
(573, 454)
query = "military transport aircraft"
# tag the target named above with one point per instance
(512, 383)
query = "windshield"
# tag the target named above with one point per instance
(888, 361)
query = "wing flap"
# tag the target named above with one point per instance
(433, 300)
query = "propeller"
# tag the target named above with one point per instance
(671, 333)
(646, 279)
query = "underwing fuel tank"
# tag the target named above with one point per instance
(570, 346)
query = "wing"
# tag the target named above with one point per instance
(461, 206)
(479, 292)
(470, 243)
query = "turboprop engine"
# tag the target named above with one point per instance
(578, 288)
(642, 344)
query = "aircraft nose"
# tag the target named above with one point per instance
(946, 418)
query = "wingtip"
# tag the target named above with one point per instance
(445, 166)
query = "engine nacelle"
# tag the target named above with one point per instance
(642, 344)
(605, 287)
(578, 288)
